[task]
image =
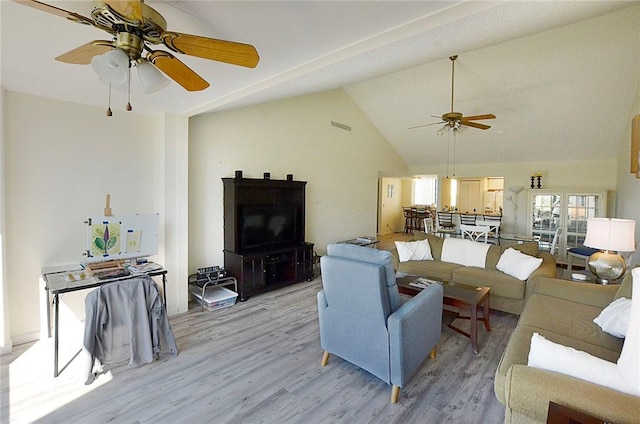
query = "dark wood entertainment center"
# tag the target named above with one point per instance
(258, 261)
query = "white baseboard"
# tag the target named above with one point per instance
(34, 336)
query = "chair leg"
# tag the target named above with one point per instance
(325, 358)
(395, 393)
(433, 353)
(569, 261)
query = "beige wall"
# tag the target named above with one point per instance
(292, 136)
(61, 160)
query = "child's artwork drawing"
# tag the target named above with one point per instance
(105, 239)
(133, 241)
(121, 237)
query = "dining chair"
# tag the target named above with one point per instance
(478, 233)
(420, 215)
(468, 218)
(408, 220)
(494, 230)
(496, 220)
(445, 225)
(428, 225)
(554, 242)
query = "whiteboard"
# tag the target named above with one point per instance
(122, 237)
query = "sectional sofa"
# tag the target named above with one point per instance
(508, 293)
(562, 312)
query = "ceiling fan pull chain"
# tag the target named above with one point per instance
(129, 108)
(454, 152)
(109, 113)
(448, 149)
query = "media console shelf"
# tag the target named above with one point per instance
(264, 228)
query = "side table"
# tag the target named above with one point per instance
(560, 414)
(362, 241)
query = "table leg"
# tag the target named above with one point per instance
(48, 312)
(474, 328)
(56, 302)
(487, 314)
(164, 289)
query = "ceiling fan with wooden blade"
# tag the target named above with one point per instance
(135, 27)
(454, 120)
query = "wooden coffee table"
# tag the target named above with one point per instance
(459, 296)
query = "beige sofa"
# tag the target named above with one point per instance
(508, 294)
(563, 312)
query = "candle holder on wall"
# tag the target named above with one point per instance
(532, 181)
(539, 180)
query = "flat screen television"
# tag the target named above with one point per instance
(267, 226)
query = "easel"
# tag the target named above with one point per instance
(107, 207)
(107, 265)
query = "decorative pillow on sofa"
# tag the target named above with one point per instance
(517, 264)
(464, 252)
(614, 319)
(545, 354)
(493, 256)
(414, 250)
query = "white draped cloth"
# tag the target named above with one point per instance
(629, 361)
(464, 252)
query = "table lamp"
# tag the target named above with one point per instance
(611, 236)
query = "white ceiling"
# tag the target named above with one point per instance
(561, 77)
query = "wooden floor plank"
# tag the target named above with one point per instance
(257, 362)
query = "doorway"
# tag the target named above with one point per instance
(390, 218)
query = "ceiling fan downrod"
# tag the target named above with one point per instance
(453, 69)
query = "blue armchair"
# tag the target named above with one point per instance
(364, 321)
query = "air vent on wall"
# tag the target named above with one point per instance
(341, 126)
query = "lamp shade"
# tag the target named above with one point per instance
(611, 234)
(151, 78)
(112, 67)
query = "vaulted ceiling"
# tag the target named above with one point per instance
(561, 77)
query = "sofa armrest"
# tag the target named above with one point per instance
(414, 330)
(546, 269)
(585, 293)
(529, 390)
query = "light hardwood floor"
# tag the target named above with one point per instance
(256, 362)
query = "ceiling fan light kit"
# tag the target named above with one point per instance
(112, 67)
(151, 78)
(134, 27)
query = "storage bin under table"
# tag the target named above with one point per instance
(213, 299)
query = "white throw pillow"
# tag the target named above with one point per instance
(614, 319)
(629, 361)
(414, 250)
(545, 354)
(517, 264)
